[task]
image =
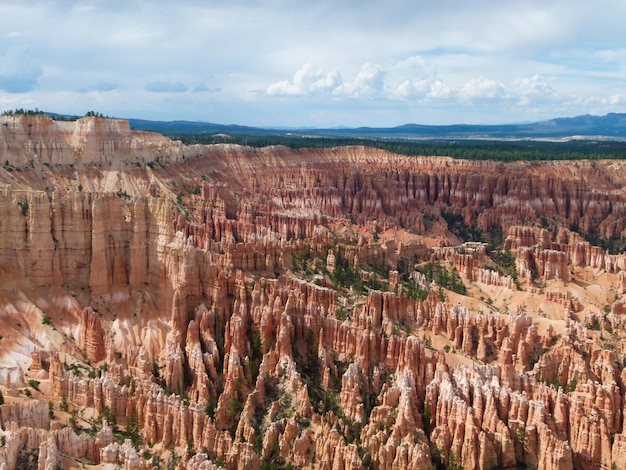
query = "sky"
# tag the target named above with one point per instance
(315, 63)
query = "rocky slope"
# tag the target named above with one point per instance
(197, 307)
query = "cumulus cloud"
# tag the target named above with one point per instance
(614, 100)
(18, 72)
(369, 83)
(415, 79)
(532, 90)
(520, 92)
(439, 90)
(161, 86)
(308, 80)
(482, 89)
(410, 79)
(407, 89)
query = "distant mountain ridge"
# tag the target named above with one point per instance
(609, 127)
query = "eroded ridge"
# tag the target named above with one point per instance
(211, 306)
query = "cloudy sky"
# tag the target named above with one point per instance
(315, 63)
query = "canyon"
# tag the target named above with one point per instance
(173, 306)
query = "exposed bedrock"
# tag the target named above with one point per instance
(223, 305)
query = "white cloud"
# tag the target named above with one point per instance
(388, 62)
(439, 89)
(415, 79)
(369, 83)
(616, 100)
(410, 79)
(482, 89)
(613, 102)
(533, 90)
(408, 89)
(308, 80)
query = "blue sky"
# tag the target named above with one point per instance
(316, 63)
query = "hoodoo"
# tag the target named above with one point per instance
(166, 305)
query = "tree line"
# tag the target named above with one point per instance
(467, 149)
(56, 117)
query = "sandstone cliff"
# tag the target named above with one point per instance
(221, 305)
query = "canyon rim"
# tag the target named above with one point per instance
(203, 306)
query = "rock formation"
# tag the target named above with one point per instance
(220, 305)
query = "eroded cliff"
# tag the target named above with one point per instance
(222, 305)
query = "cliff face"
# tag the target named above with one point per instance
(224, 305)
(39, 140)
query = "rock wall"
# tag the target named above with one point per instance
(39, 140)
(188, 299)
